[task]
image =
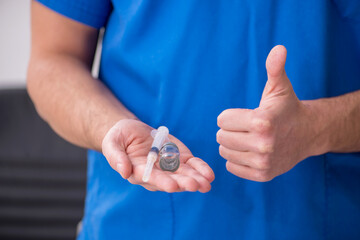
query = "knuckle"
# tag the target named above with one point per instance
(220, 118)
(263, 176)
(228, 166)
(219, 136)
(231, 168)
(222, 151)
(263, 164)
(219, 121)
(262, 125)
(223, 116)
(266, 147)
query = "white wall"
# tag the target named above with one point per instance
(14, 42)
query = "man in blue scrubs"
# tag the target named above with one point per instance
(292, 166)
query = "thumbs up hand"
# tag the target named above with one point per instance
(263, 143)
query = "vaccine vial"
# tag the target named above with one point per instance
(169, 157)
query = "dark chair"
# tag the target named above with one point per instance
(42, 177)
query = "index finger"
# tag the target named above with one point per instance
(236, 119)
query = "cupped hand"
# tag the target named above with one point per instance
(263, 143)
(126, 146)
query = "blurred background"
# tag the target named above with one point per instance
(42, 177)
(14, 42)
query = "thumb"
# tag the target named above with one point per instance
(115, 155)
(278, 83)
(118, 160)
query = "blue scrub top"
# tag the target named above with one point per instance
(180, 64)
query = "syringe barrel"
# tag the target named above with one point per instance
(160, 137)
(151, 159)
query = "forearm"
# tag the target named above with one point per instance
(77, 106)
(337, 123)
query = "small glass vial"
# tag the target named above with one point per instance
(169, 157)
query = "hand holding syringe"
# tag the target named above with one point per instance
(126, 147)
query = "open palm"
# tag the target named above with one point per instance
(126, 146)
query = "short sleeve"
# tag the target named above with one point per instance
(93, 13)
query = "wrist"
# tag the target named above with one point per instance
(318, 126)
(100, 129)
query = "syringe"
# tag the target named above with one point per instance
(159, 139)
